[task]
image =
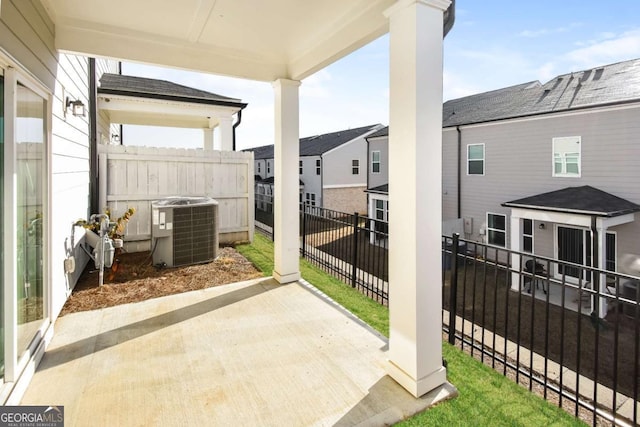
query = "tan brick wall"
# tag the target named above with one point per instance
(348, 199)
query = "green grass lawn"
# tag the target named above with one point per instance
(486, 398)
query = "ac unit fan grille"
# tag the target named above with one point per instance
(194, 235)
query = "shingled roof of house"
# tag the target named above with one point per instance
(318, 144)
(142, 87)
(585, 200)
(606, 85)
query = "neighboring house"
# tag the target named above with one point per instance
(332, 169)
(551, 169)
(378, 180)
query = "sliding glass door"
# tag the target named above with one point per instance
(2, 306)
(30, 137)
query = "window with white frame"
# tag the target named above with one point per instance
(527, 235)
(300, 167)
(310, 199)
(497, 229)
(355, 167)
(610, 251)
(375, 162)
(268, 167)
(566, 156)
(475, 159)
(381, 212)
(318, 168)
(259, 167)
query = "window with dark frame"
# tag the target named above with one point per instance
(475, 159)
(527, 235)
(355, 167)
(375, 162)
(497, 229)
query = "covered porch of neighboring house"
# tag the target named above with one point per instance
(378, 209)
(131, 100)
(576, 223)
(284, 43)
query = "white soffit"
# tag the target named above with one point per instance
(255, 39)
(152, 112)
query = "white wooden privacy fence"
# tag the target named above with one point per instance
(137, 176)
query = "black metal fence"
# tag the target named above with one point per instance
(351, 247)
(570, 332)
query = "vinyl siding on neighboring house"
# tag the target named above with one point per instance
(343, 190)
(380, 144)
(312, 181)
(518, 163)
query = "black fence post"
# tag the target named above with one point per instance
(453, 288)
(354, 259)
(304, 231)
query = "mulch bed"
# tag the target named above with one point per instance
(133, 278)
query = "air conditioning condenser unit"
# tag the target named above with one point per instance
(184, 231)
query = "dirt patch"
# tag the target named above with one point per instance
(134, 279)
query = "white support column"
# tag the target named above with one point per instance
(287, 182)
(415, 195)
(515, 246)
(208, 139)
(226, 133)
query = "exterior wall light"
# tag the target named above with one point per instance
(77, 107)
(541, 226)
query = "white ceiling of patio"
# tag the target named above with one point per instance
(255, 39)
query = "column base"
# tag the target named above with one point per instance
(286, 278)
(418, 387)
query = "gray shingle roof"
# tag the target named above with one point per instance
(316, 145)
(381, 189)
(117, 84)
(609, 84)
(261, 153)
(320, 144)
(585, 200)
(381, 132)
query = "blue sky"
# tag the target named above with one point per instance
(493, 44)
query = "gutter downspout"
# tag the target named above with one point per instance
(233, 129)
(93, 138)
(459, 171)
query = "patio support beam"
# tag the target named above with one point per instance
(287, 182)
(226, 133)
(415, 195)
(208, 138)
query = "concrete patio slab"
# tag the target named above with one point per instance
(250, 353)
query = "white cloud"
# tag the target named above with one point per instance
(547, 31)
(623, 47)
